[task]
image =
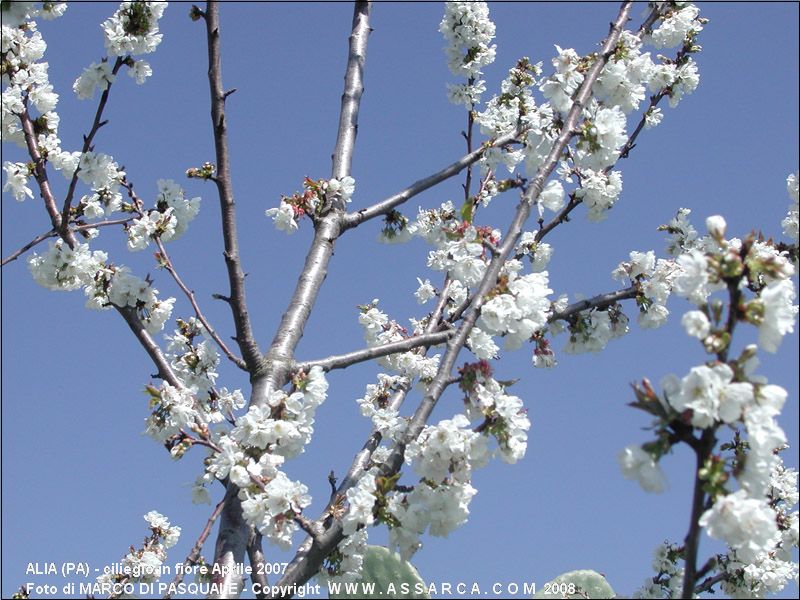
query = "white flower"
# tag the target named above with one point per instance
(746, 524)
(283, 217)
(342, 188)
(636, 463)
(790, 222)
(425, 291)
(653, 117)
(552, 196)
(133, 28)
(361, 500)
(599, 192)
(691, 282)
(696, 324)
(17, 180)
(674, 28)
(140, 71)
(716, 226)
(779, 314)
(97, 76)
(482, 344)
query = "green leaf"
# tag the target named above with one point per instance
(576, 584)
(384, 568)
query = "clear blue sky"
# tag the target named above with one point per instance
(77, 473)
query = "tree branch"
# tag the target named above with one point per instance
(244, 333)
(165, 371)
(37, 240)
(167, 263)
(194, 555)
(40, 172)
(353, 90)
(702, 452)
(385, 206)
(257, 562)
(599, 301)
(87, 144)
(341, 361)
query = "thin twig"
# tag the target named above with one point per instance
(167, 263)
(194, 555)
(37, 240)
(711, 582)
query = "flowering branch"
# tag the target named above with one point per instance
(340, 361)
(40, 172)
(166, 262)
(87, 142)
(309, 558)
(385, 206)
(599, 301)
(244, 333)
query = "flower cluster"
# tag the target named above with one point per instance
(654, 279)
(317, 198)
(375, 406)
(145, 564)
(668, 581)
(503, 416)
(26, 87)
(468, 31)
(379, 330)
(133, 28)
(755, 520)
(168, 221)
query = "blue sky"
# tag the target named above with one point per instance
(77, 473)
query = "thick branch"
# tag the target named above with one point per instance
(353, 89)
(244, 333)
(385, 206)
(37, 240)
(340, 361)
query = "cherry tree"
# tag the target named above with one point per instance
(541, 150)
